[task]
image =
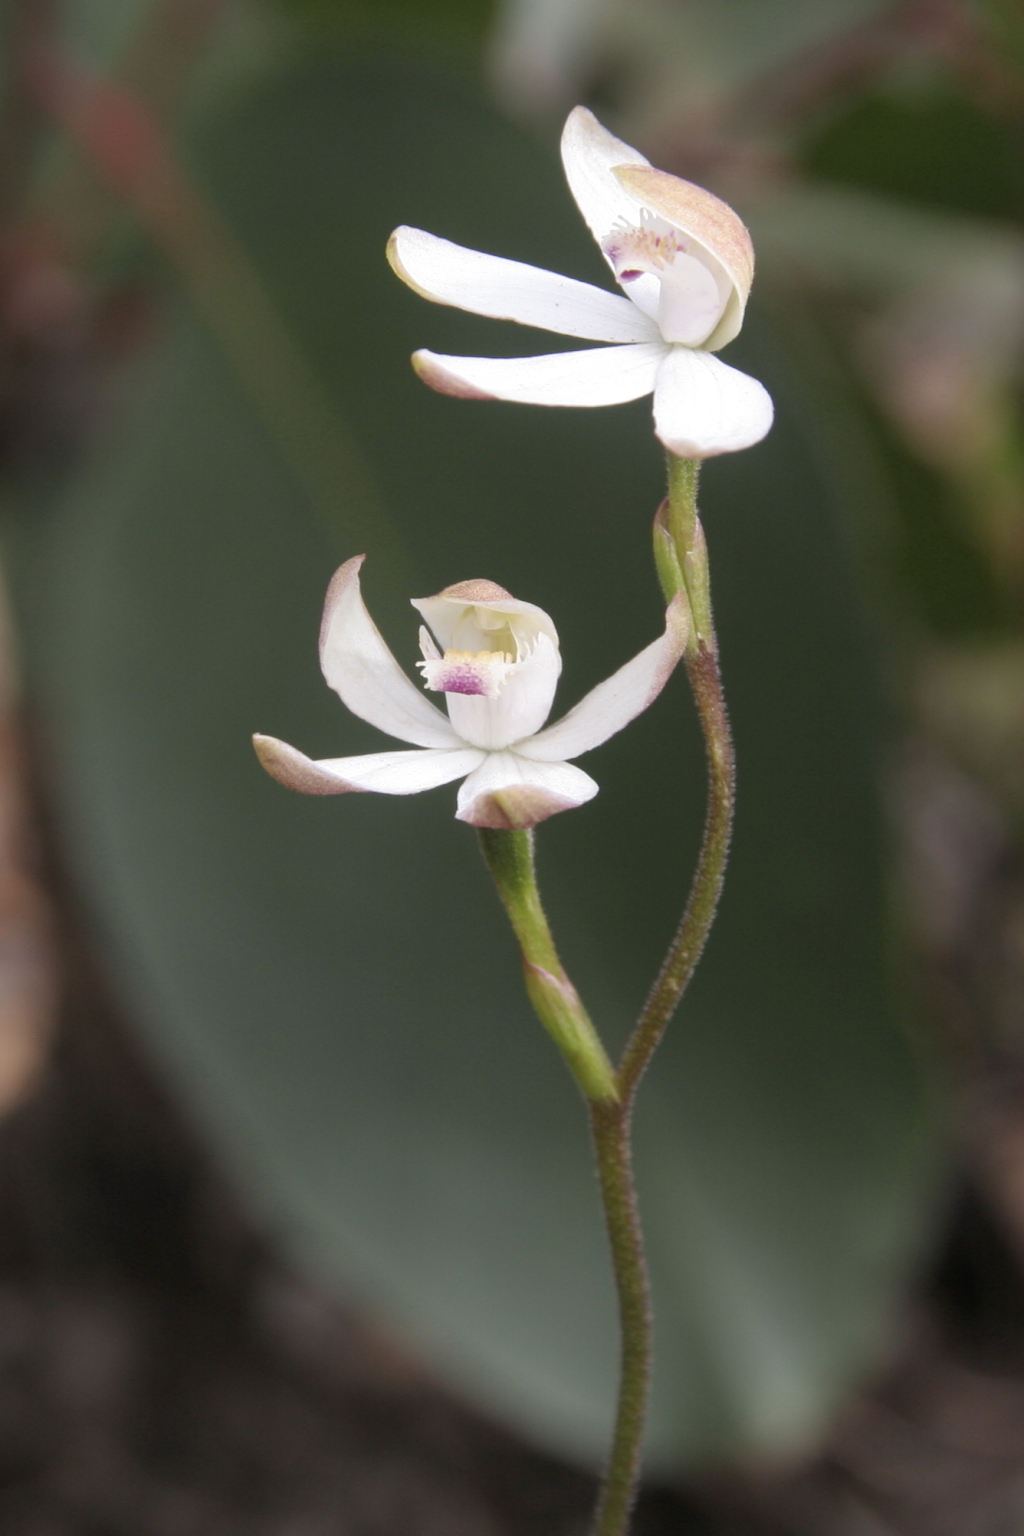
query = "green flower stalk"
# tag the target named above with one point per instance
(509, 857)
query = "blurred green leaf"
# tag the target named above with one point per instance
(930, 552)
(927, 142)
(332, 981)
(654, 62)
(928, 296)
(99, 32)
(878, 247)
(723, 46)
(1004, 22)
(396, 21)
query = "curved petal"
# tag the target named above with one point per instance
(366, 677)
(703, 216)
(456, 615)
(599, 376)
(510, 290)
(590, 154)
(703, 407)
(618, 700)
(507, 791)
(385, 773)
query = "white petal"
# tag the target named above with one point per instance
(600, 376)
(589, 153)
(510, 290)
(386, 773)
(520, 708)
(703, 407)
(508, 791)
(366, 677)
(618, 700)
(645, 293)
(693, 300)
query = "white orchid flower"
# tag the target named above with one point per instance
(685, 262)
(497, 662)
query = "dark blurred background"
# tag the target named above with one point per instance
(297, 1230)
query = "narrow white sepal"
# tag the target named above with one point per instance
(511, 290)
(366, 677)
(404, 773)
(383, 773)
(599, 376)
(610, 706)
(702, 407)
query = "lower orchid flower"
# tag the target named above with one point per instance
(497, 662)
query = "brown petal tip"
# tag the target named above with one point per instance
(296, 771)
(477, 591)
(699, 213)
(438, 377)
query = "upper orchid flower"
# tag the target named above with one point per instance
(497, 663)
(685, 262)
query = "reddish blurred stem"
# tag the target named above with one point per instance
(118, 134)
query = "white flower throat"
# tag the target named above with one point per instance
(486, 652)
(498, 671)
(691, 288)
(483, 673)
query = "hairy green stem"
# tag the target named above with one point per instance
(681, 556)
(610, 1129)
(691, 936)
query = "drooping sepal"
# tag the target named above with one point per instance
(382, 773)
